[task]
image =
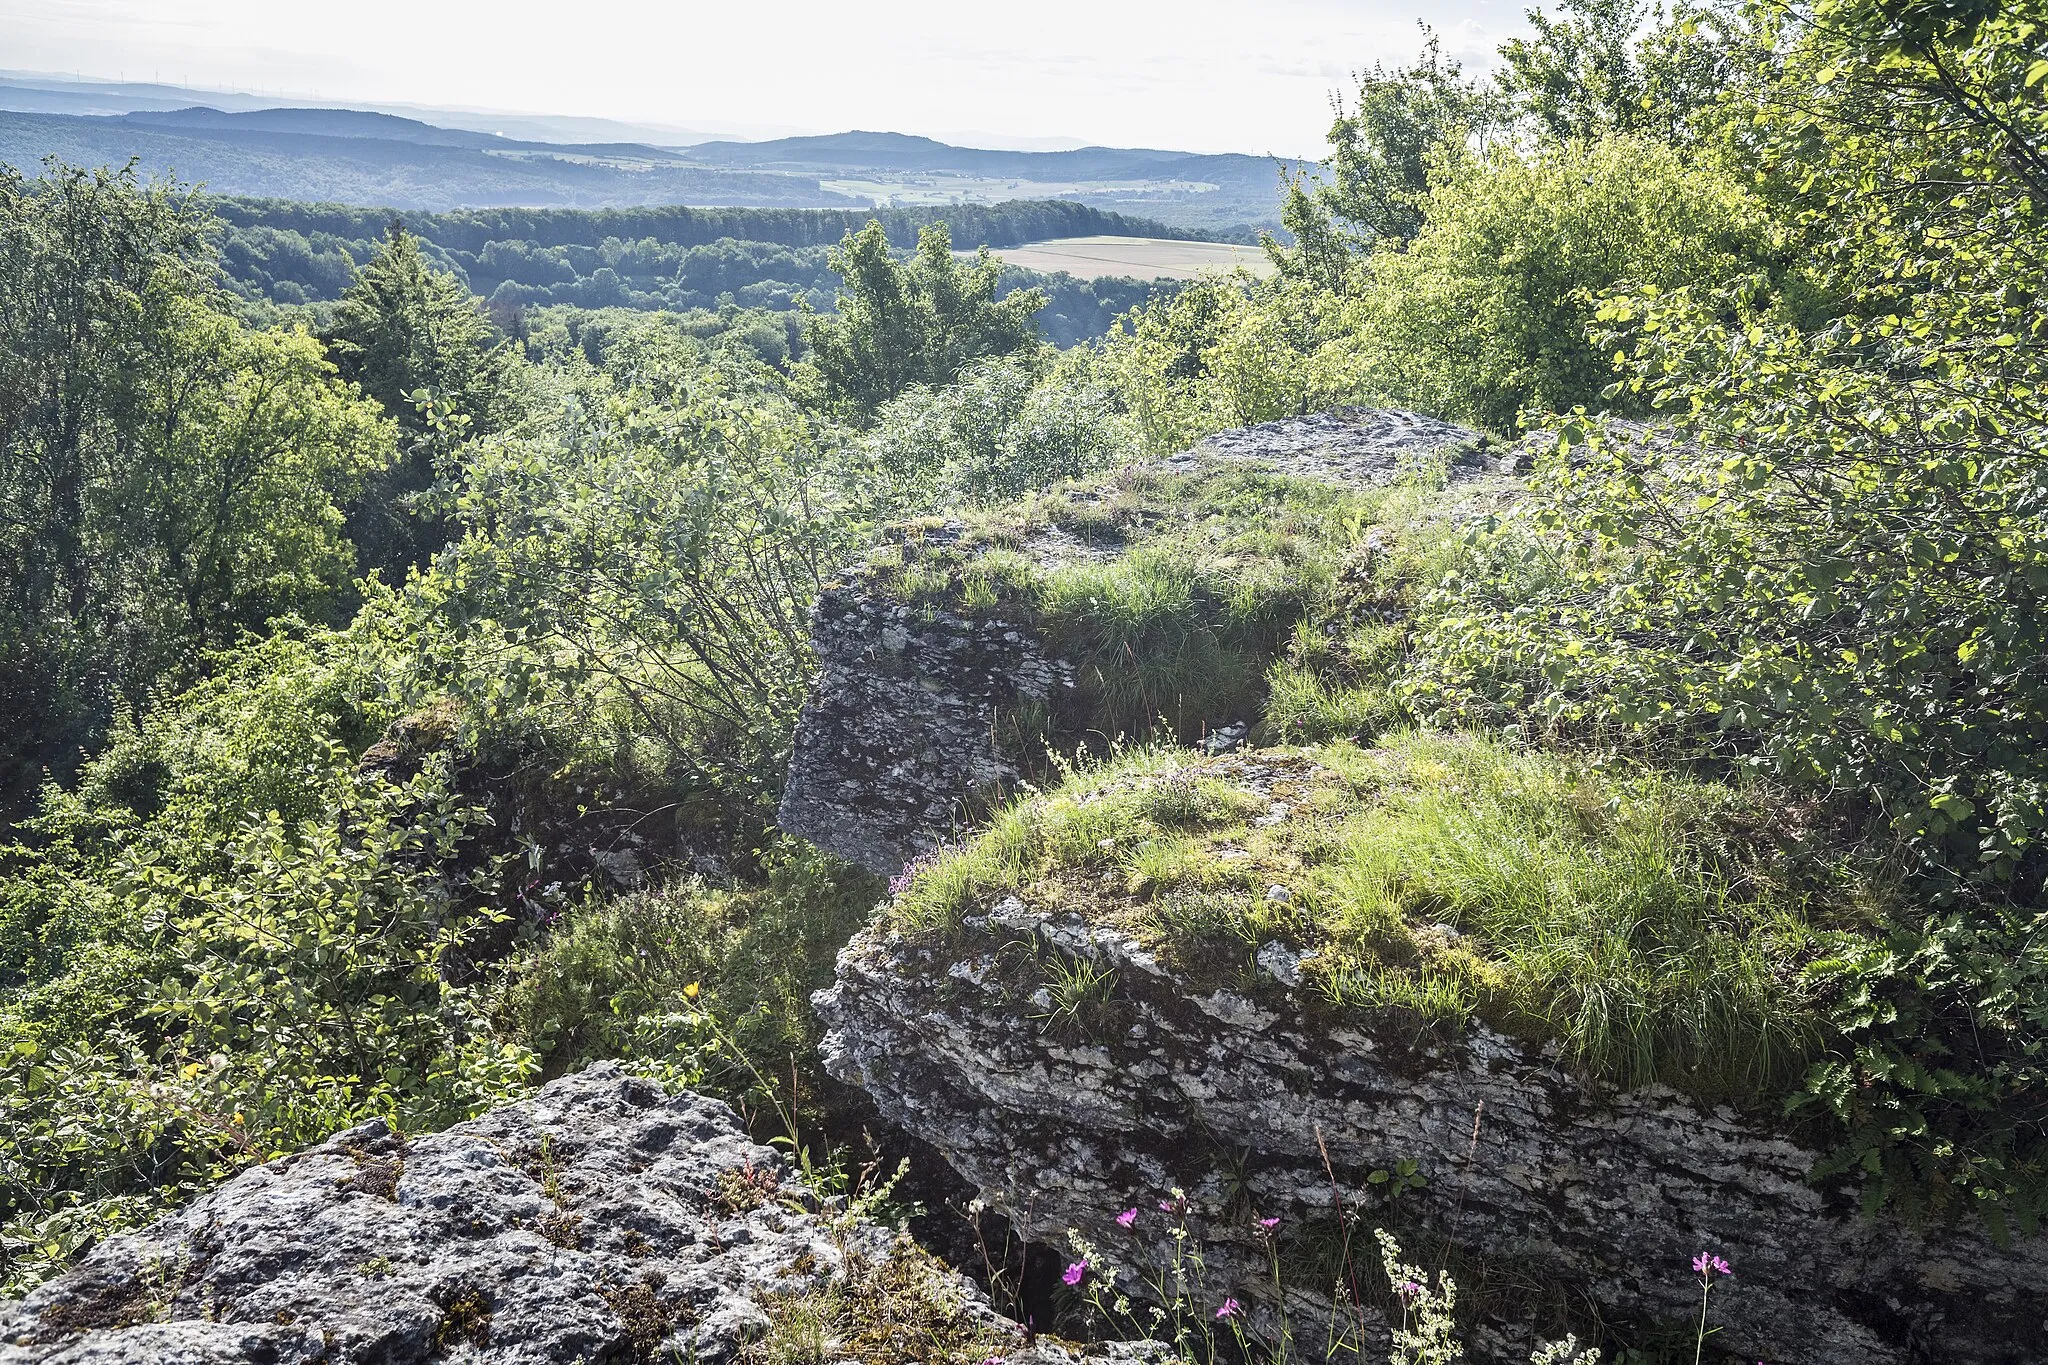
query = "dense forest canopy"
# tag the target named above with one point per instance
(315, 637)
(673, 258)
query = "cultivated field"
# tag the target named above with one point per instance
(1144, 258)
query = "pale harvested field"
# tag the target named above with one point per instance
(1143, 258)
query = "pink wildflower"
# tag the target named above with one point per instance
(1266, 1225)
(1409, 1289)
(1710, 1265)
(1126, 1218)
(1228, 1310)
(915, 868)
(1075, 1272)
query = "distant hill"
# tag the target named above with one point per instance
(41, 93)
(1185, 188)
(205, 121)
(375, 157)
(393, 171)
(902, 152)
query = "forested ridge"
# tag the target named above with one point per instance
(675, 258)
(399, 693)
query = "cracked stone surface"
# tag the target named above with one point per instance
(1235, 1094)
(598, 1221)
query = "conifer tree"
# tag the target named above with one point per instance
(422, 346)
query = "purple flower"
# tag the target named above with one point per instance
(1228, 1310)
(1409, 1289)
(900, 883)
(1266, 1226)
(1710, 1265)
(1075, 1273)
(1126, 1218)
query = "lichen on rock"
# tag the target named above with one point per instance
(594, 1222)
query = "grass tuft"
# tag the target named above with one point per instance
(1644, 922)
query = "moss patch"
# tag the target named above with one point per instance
(465, 1315)
(901, 1305)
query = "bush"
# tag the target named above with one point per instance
(643, 977)
(1487, 311)
(1007, 426)
(638, 571)
(1833, 570)
(1226, 353)
(237, 997)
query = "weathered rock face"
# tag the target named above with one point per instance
(599, 1221)
(897, 746)
(1366, 447)
(1238, 1099)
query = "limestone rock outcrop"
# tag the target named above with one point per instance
(1257, 1107)
(598, 1221)
(896, 748)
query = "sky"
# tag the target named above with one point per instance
(1254, 76)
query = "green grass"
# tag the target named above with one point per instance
(611, 978)
(1645, 922)
(1648, 924)
(1166, 633)
(1186, 591)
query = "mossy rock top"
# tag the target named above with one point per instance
(1651, 928)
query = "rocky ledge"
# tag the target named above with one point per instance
(600, 1221)
(897, 747)
(1258, 1107)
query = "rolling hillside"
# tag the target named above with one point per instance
(236, 146)
(228, 157)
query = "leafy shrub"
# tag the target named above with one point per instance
(240, 996)
(1486, 312)
(1005, 427)
(1226, 353)
(1833, 570)
(640, 570)
(638, 976)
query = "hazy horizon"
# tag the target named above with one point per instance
(1195, 75)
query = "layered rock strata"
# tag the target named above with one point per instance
(897, 745)
(1258, 1108)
